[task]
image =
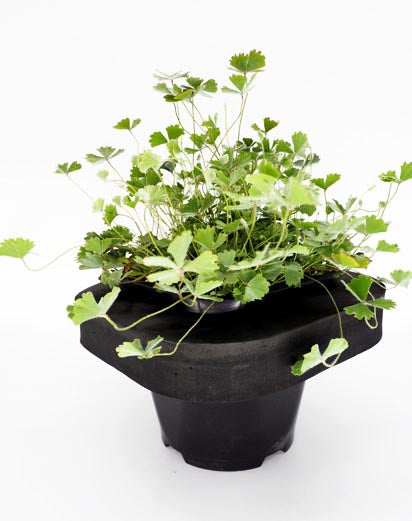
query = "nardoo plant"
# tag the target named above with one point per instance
(209, 213)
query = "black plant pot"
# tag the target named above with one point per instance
(227, 398)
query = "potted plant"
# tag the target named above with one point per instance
(228, 273)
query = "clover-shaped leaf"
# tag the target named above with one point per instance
(86, 308)
(68, 168)
(314, 357)
(127, 124)
(135, 348)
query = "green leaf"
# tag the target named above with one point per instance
(239, 81)
(209, 86)
(147, 160)
(360, 311)
(107, 153)
(206, 238)
(309, 360)
(269, 124)
(152, 195)
(335, 347)
(135, 348)
(162, 262)
(125, 124)
(406, 172)
(346, 260)
(179, 246)
(16, 248)
(329, 180)
(167, 277)
(268, 168)
(298, 194)
(386, 246)
(204, 287)
(66, 168)
(103, 174)
(359, 287)
(300, 143)
(251, 62)
(86, 308)
(156, 139)
(204, 264)
(372, 224)
(174, 131)
(110, 213)
(293, 274)
(98, 205)
(401, 277)
(256, 288)
(389, 177)
(382, 303)
(97, 245)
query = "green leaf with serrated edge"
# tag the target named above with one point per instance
(329, 180)
(179, 246)
(125, 124)
(389, 177)
(174, 131)
(110, 213)
(147, 160)
(284, 146)
(251, 62)
(204, 264)
(156, 139)
(209, 86)
(17, 248)
(268, 168)
(309, 360)
(401, 277)
(406, 172)
(66, 168)
(372, 224)
(269, 124)
(386, 246)
(359, 287)
(226, 257)
(335, 347)
(255, 289)
(89, 260)
(360, 311)
(107, 153)
(97, 245)
(239, 81)
(382, 303)
(300, 143)
(111, 278)
(86, 308)
(293, 274)
(161, 262)
(135, 348)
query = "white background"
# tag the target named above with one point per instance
(80, 442)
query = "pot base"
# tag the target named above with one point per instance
(229, 436)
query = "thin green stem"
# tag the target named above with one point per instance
(51, 262)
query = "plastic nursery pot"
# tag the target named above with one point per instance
(227, 398)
